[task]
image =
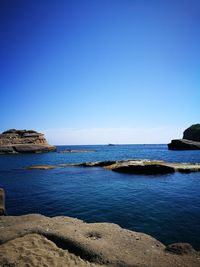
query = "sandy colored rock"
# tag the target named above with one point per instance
(2, 202)
(99, 243)
(36, 251)
(147, 167)
(23, 141)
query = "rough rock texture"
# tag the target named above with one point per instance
(23, 141)
(190, 141)
(147, 167)
(2, 202)
(64, 241)
(17, 253)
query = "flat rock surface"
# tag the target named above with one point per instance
(37, 240)
(76, 151)
(147, 167)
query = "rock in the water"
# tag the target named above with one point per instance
(147, 167)
(190, 141)
(183, 144)
(23, 141)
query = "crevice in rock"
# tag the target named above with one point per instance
(74, 247)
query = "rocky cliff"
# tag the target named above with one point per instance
(23, 141)
(190, 141)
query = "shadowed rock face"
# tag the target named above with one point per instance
(23, 141)
(190, 141)
(183, 144)
(192, 133)
(34, 237)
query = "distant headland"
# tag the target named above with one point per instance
(15, 141)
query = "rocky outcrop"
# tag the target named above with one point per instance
(190, 141)
(147, 167)
(183, 144)
(192, 133)
(23, 141)
(65, 241)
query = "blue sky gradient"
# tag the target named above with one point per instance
(100, 71)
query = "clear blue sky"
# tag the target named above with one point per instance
(98, 71)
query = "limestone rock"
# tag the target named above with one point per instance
(23, 141)
(32, 237)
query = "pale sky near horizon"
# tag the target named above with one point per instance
(100, 71)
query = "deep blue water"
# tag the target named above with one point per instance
(164, 206)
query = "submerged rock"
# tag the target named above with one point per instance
(23, 141)
(190, 141)
(51, 242)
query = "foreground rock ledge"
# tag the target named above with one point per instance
(147, 167)
(63, 241)
(23, 141)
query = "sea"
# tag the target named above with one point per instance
(165, 206)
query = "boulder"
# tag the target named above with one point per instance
(23, 141)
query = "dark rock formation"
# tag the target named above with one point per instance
(183, 144)
(192, 133)
(190, 141)
(23, 141)
(44, 241)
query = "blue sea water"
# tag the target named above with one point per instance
(164, 206)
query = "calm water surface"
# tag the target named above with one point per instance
(166, 207)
